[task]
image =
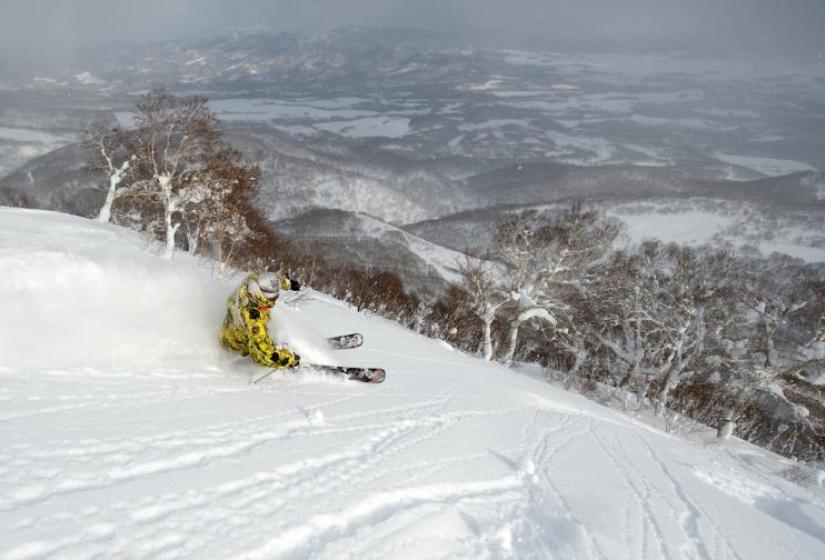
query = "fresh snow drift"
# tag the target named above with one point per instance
(126, 432)
(77, 294)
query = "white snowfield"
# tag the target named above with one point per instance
(126, 432)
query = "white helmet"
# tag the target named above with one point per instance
(265, 287)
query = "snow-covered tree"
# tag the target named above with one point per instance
(487, 295)
(534, 267)
(774, 297)
(172, 171)
(109, 153)
(175, 138)
(785, 361)
(545, 261)
(215, 213)
(661, 309)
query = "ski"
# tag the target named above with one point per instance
(362, 374)
(345, 341)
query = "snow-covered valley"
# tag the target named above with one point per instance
(410, 129)
(126, 431)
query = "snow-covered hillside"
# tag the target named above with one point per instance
(126, 432)
(358, 239)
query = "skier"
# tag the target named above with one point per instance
(247, 314)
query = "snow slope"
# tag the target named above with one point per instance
(700, 221)
(126, 433)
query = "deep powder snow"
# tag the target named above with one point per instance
(125, 431)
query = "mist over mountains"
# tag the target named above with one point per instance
(438, 133)
(48, 35)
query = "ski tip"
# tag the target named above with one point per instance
(375, 375)
(362, 374)
(345, 341)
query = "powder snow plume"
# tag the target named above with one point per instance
(82, 294)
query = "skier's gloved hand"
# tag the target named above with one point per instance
(294, 285)
(285, 359)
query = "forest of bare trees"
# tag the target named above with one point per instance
(685, 331)
(733, 342)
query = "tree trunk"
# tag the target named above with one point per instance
(670, 383)
(487, 338)
(193, 239)
(168, 211)
(171, 229)
(512, 342)
(726, 429)
(105, 213)
(625, 381)
(770, 349)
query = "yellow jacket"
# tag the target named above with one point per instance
(245, 331)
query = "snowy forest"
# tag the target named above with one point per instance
(697, 334)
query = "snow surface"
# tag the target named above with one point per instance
(698, 225)
(638, 66)
(769, 167)
(49, 139)
(125, 432)
(443, 260)
(384, 126)
(694, 227)
(90, 79)
(267, 109)
(336, 115)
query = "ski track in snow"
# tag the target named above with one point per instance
(200, 446)
(367, 483)
(451, 457)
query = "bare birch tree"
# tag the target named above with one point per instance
(177, 135)
(174, 174)
(110, 153)
(487, 295)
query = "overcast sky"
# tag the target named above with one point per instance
(36, 31)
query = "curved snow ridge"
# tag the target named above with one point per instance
(320, 529)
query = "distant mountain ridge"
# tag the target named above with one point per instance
(319, 58)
